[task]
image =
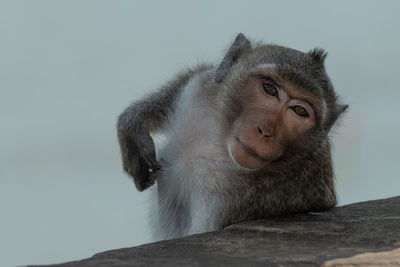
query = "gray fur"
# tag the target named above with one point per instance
(140, 119)
(199, 188)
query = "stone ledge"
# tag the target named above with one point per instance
(366, 233)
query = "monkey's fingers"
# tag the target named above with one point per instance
(142, 176)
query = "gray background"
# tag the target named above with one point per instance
(68, 68)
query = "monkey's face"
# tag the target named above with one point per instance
(274, 114)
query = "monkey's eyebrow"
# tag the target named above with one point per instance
(264, 67)
(305, 99)
(267, 78)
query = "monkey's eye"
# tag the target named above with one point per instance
(299, 110)
(270, 89)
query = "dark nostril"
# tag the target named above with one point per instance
(264, 133)
(259, 130)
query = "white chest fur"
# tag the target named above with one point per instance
(189, 196)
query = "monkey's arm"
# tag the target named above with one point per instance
(140, 119)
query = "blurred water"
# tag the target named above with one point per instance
(68, 68)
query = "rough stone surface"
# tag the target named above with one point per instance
(361, 234)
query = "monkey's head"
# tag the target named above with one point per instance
(279, 103)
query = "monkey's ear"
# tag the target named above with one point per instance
(240, 44)
(341, 108)
(338, 110)
(318, 55)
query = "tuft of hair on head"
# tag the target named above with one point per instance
(318, 55)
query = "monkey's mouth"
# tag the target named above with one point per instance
(250, 150)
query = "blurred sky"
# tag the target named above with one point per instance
(68, 68)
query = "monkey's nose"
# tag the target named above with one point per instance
(264, 132)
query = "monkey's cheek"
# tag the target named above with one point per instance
(243, 158)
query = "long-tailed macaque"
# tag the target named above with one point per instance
(246, 139)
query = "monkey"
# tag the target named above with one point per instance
(246, 139)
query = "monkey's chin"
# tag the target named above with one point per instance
(243, 159)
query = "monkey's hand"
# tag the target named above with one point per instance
(139, 157)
